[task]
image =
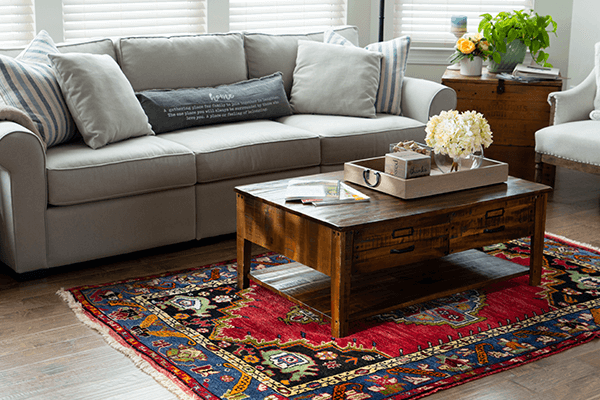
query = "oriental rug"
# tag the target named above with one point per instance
(201, 337)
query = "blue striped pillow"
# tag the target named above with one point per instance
(28, 83)
(393, 66)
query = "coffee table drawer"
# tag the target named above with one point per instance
(395, 233)
(399, 254)
(491, 223)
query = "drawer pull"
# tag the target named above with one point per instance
(366, 174)
(494, 230)
(405, 250)
(495, 213)
(398, 233)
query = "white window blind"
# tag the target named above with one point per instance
(101, 18)
(16, 22)
(285, 15)
(427, 22)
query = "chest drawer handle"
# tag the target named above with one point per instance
(405, 250)
(494, 230)
(366, 174)
(398, 233)
(495, 213)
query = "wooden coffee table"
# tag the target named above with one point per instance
(358, 260)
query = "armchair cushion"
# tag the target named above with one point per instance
(576, 141)
(574, 104)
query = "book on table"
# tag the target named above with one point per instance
(533, 71)
(322, 192)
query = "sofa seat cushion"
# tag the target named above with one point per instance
(234, 150)
(577, 141)
(352, 138)
(79, 174)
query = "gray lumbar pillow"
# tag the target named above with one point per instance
(100, 98)
(261, 98)
(332, 79)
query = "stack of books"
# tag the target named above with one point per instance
(534, 71)
(322, 192)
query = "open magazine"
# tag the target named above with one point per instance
(323, 192)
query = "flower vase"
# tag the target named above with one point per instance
(471, 67)
(447, 164)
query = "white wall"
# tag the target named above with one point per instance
(585, 34)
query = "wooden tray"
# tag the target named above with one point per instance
(370, 173)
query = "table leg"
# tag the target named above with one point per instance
(340, 284)
(537, 240)
(244, 257)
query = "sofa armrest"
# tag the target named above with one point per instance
(574, 104)
(23, 198)
(422, 99)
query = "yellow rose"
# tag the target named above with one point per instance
(484, 45)
(465, 46)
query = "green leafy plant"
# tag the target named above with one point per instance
(527, 26)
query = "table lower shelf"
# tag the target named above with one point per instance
(390, 289)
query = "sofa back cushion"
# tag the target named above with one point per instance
(98, 46)
(182, 61)
(269, 53)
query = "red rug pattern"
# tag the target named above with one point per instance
(213, 341)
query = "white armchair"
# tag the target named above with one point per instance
(573, 139)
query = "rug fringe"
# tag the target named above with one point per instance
(575, 242)
(141, 363)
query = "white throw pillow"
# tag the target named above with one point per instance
(393, 68)
(337, 80)
(100, 98)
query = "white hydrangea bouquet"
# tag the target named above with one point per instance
(458, 135)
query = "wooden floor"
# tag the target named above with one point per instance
(46, 353)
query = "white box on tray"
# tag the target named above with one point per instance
(407, 164)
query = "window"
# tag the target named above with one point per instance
(101, 18)
(16, 22)
(427, 22)
(285, 15)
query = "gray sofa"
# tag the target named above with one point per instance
(71, 203)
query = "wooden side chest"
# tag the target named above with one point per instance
(514, 110)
